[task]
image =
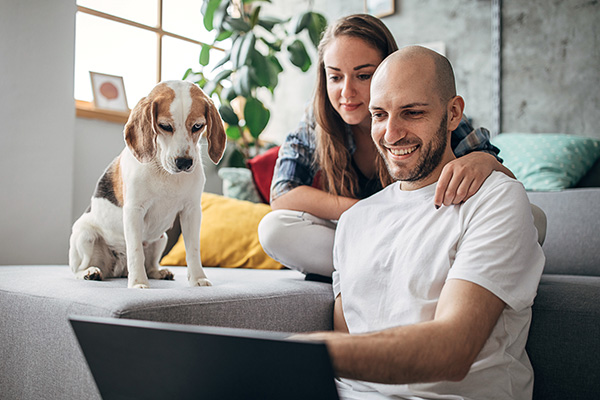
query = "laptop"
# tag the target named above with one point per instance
(132, 359)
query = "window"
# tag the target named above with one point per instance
(144, 41)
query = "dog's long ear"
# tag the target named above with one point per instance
(215, 132)
(139, 131)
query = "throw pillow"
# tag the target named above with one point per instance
(238, 184)
(228, 235)
(262, 167)
(547, 162)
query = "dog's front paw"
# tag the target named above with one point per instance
(200, 282)
(161, 274)
(137, 284)
(93, 274)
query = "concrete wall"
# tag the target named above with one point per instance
(551, 66)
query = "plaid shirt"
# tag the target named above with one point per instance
(296, 164)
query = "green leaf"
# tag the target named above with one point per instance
(302, 21)
(209, 87)
(228, 93)
(260, 69)
(273, 68)
(209, 8)
(254, 17)
(220, 15)
(233, 132)
(241, 82)
(212, 85)
(236, 24)
(187, 73)
(205, 55)
(269, 22)
(228, 114)
(223, 75)
(237, 159)
(316, 27)
(222, 61)
(256, 116)
(201, 82)
(275, 63)
(246, 48)
(222, 35)
(275, 46)
(235, 52)
(298, 55)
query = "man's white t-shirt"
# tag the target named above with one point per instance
(393, 253)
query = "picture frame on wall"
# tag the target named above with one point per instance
(380, 8)
(109, 92)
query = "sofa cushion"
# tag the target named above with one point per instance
(572, 244)
(547, 161)
(238, 184)
(255, 299)
(229, 235)
(262, 167)
(564, 338)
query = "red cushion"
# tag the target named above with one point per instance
(262, 167)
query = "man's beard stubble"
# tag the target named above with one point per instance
(428, 161)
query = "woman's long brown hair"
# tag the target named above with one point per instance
(337, 175)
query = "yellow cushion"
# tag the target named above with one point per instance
(228, 235)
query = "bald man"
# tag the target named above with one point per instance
(431, 303)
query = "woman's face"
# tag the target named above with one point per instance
(349, 65)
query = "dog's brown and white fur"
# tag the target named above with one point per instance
(156, 177)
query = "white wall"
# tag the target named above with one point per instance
(36, 134)
(97, 143)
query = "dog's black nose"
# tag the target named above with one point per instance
(183, 164)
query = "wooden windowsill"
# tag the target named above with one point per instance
(85, 109)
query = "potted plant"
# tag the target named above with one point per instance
(250, 63)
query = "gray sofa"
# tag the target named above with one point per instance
(40, 358)
(564, 338)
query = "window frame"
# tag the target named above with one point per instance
(86, 109)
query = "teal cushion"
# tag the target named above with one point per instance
(238, 184)
(546, 162)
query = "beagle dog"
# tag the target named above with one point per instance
(156, 177)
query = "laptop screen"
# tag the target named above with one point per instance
(132, 359)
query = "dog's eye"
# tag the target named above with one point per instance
(197, 127)
(166, 127)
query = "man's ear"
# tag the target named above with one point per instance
(456, 105)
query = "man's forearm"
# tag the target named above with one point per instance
(416, 353)
(441, 349)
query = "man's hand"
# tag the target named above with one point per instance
(462, 178)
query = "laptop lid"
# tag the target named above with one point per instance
(132, 359)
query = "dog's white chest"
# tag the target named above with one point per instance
(162, 197)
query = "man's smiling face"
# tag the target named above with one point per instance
(409, 121)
